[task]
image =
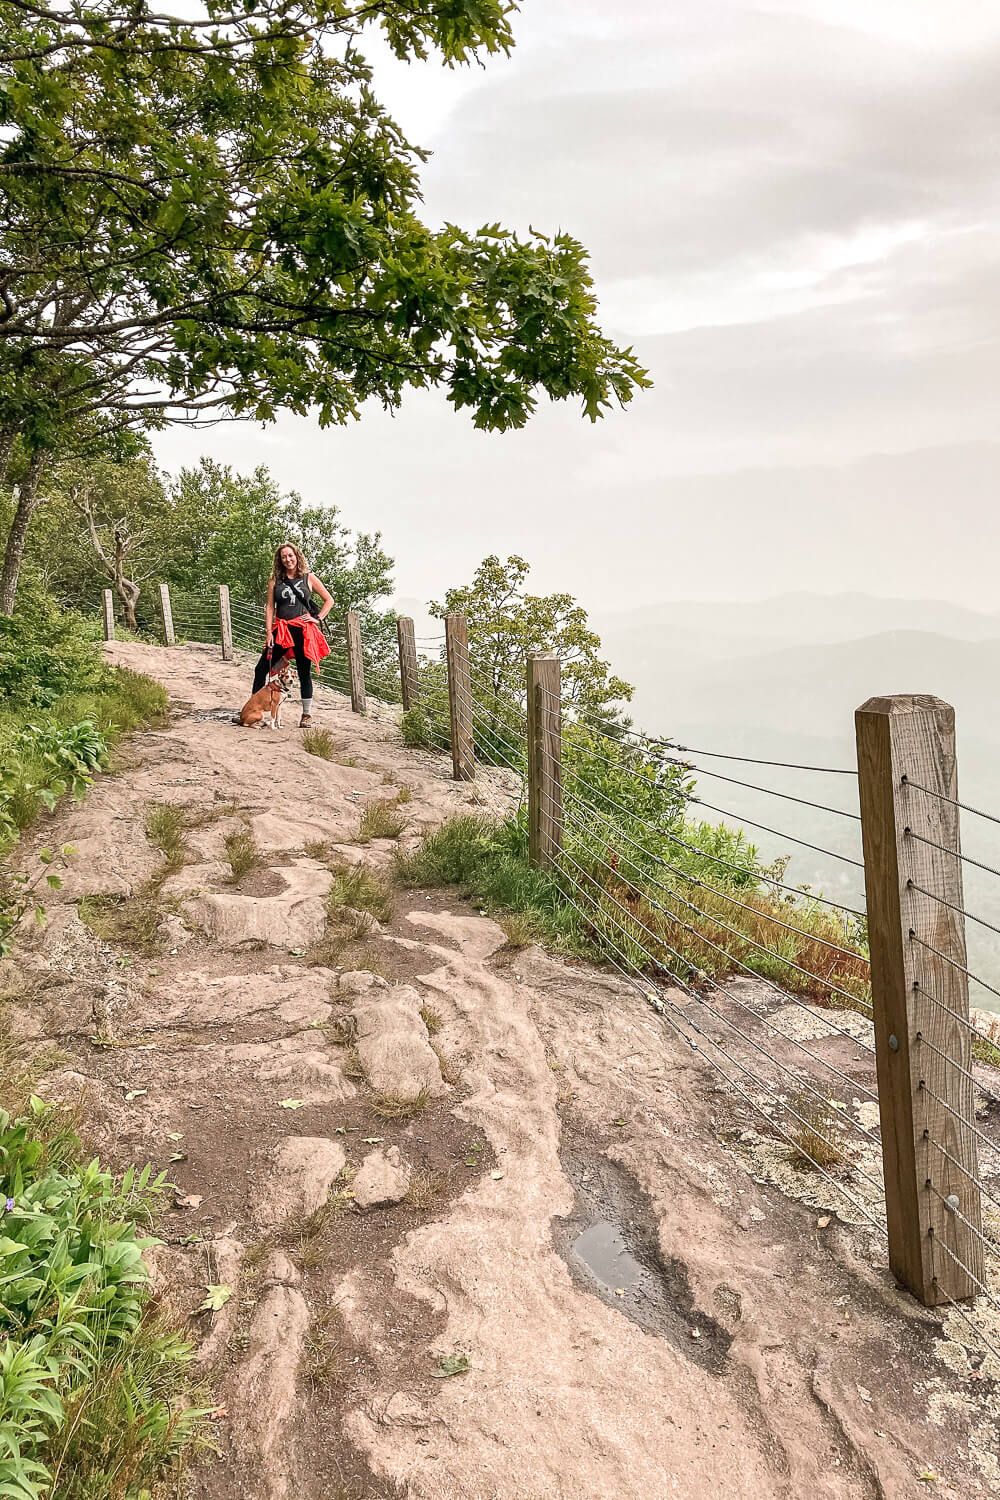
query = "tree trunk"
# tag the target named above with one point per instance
(27, 504)
(128, 592)
(6, 448)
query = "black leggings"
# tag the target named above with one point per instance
(302, 664)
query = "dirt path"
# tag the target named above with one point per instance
(564, 1277)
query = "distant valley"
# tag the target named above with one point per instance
(780, 679)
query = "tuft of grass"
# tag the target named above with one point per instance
(361, 890)
(369, 959)
(204, 817)
(343, 927)
(319, 742)
(520, 928)
(309, 1238)
(165, 826)
(324, 1349)
(986, 1049)
(986, 1052)
(131, 922)
(431, 1019)
(815, 1139)
(242, 853)
(404, 795)
(352, 1066)
(428, 1189)
(317, 849)
(393, 1107)
(381, 820)
(256, 1255)
(356, 897)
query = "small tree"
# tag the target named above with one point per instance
(507, 624)
(118, 504)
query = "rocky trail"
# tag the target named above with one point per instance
(485, 1228)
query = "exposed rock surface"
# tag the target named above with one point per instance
(267, 1387)
(451, 1342)
(383, 1177)
(293, 918)
(304, 1170)
(393, 1044)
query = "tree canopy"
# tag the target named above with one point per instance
(214, 216)
(221, 214)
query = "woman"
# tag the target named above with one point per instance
(290, 623)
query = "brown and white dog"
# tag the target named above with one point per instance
(263, 709)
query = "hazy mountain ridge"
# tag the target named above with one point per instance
(808, 690)
(803, 616)
(723, 688)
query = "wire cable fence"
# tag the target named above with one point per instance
(842, 1024)
(774, 984)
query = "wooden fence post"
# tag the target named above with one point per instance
(409, 679)
(167, 616)
(355, 663)
(456, 636)
(108, 603)
(225, 622)
(920, 994)
(545, 812)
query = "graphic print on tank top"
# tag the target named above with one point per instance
(289, 599)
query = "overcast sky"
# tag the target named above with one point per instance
(793, 209)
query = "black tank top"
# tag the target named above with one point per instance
(290, 598)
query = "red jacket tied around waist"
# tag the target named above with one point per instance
(313, 640)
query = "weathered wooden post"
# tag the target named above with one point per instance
(409, 679)
(225, 622)
(166, 616)
(920, 994)
(545, 811)
(456, 638)
(355, 663)
(108, 604)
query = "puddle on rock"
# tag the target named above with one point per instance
(611, 1246)
(207, 715)
(604, 1252)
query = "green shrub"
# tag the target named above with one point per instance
(610, 900)
(43, 655)
(42, 762)
(64, 708)
(86, 1382)
(488, 861)
(18, 891)
(415, 728)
